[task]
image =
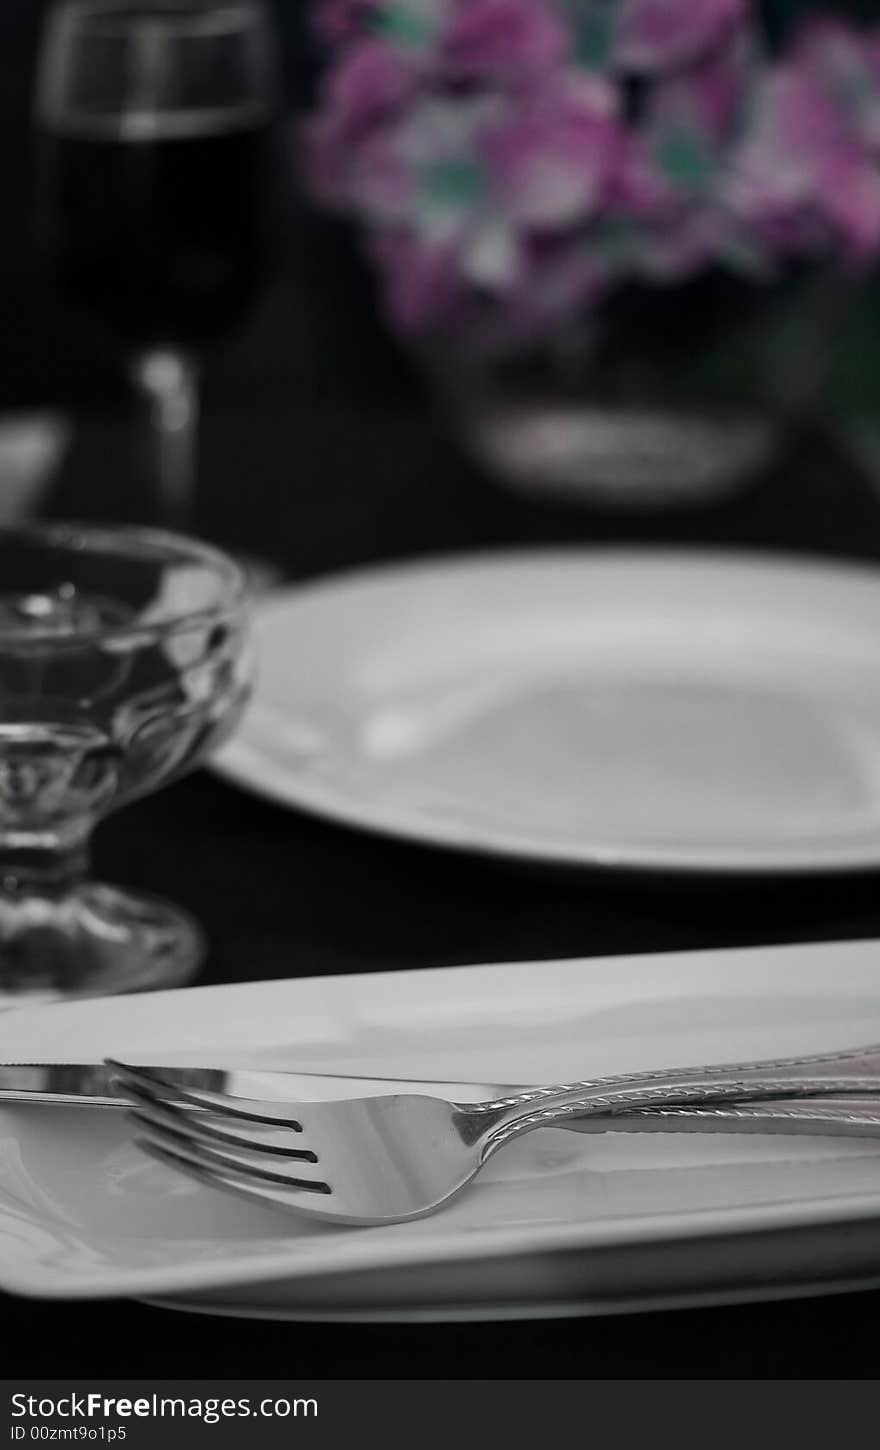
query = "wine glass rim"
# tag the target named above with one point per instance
(190, 17)
(134, 542)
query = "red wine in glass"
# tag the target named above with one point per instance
(167, 240)
(158, 171)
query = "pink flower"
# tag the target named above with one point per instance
(504, 39)
(528, 155)
(551, 156)
(340, 20)
(425, 178)
(709, 97)
(852, 202)
(655, 35)
(367, 88)
(637, 189)
(474, 178)
(651, 36)
(845, 65)
(804, 166)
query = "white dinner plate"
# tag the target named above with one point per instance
(559, 1222)
(699, 711)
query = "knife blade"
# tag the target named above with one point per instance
(93, 1085)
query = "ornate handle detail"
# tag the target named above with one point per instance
(856, 1071)
(857, 1062)
(817, 1117)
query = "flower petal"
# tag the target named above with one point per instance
(657, 34)
(505, 39)
(551, 158)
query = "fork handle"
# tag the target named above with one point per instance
(855, 1072)
(858, 1062)
(845, 1117)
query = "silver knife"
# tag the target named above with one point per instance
(93, 1085)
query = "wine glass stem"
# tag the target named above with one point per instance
(46, 873)
(38, 936)
(169, 382)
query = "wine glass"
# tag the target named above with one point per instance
(123, 661)
(157, 169)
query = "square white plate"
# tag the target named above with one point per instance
(559, 1222)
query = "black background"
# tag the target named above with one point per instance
(313, 417)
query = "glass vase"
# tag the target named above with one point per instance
(661, 395)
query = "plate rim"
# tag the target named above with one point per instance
(593, 1308)
(243, 764)
(699, 1225)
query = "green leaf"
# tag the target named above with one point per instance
(401, 25)
(594, 25)
(456, 183)
(686, 158)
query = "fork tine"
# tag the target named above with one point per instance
(198, 1126)
(218, 1158)
(281, 1116)
(289, 1200)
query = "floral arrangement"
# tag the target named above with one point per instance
(519, 159)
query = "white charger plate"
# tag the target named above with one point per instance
(667, 710)
(558, 1223)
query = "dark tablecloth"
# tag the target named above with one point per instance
(282, 894)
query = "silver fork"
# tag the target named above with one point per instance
(382, 1160)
